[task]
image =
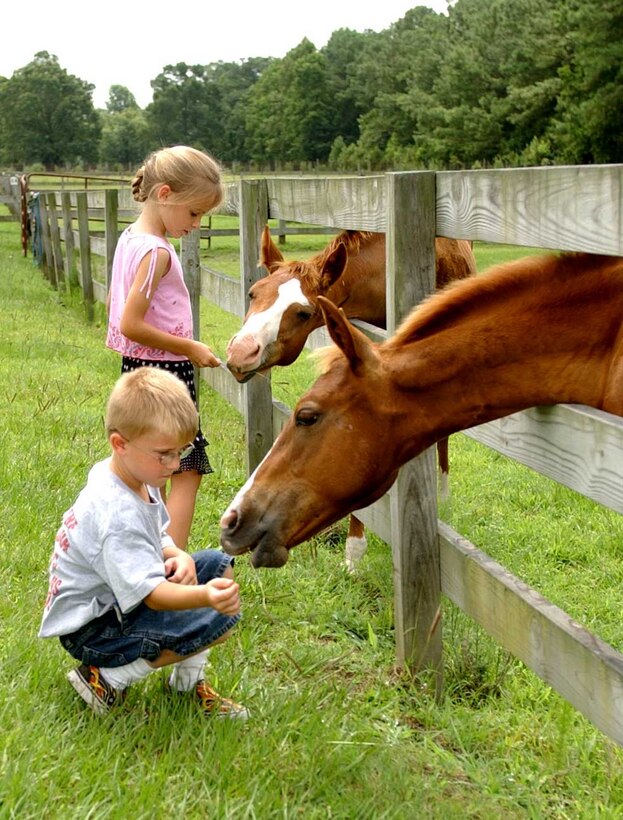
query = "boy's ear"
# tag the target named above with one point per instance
(117, 442)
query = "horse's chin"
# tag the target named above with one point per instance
(244, 376)
(269, 557)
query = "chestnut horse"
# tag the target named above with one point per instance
(284, 310)
(538, 331)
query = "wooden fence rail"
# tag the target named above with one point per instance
(565, 208)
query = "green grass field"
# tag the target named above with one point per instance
(336, 730)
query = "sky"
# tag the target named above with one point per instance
(129, 43)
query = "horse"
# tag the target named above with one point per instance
(284, 310)
(537, 331)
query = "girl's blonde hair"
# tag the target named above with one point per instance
(150, 400)
(193, 177)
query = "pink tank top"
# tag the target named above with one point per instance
(170, 308)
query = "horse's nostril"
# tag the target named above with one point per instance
(229, 521)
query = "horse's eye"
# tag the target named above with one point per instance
(304, 315)
(305, 418)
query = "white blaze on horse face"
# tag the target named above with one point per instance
(233, 507)
(264, 326)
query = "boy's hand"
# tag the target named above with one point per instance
(223, 595)
(180, 569)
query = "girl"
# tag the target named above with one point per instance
(149, 313)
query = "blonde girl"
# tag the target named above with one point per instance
(149, 312)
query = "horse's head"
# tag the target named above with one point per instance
(336, 454)
(283, 310)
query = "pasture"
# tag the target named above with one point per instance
(336, 730)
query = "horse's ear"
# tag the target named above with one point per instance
(270, 255)
(333, 267)
(354, 344)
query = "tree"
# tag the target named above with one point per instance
(47, 116)
(186, 108)
(587, 124)
(120, 99)
(126, 139)
(290, 118)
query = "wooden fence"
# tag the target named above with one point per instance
(564, 208)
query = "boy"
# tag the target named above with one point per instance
(122, 598)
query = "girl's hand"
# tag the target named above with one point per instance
(180, 569)
(223, 595)
(201, 355)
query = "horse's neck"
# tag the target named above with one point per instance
(505, 357)
(360, 290)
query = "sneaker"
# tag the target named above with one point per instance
(93, 689)
(214, 704)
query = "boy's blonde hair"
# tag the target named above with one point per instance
(193, 176)
(149, 400)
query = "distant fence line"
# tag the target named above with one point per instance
(574, 208)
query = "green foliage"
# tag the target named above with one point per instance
(492, 83)
(47, 116)
(126, 138)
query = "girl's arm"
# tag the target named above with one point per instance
(134, 326)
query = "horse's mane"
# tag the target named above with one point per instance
(525, 277)
(307, 269)
(498, 283)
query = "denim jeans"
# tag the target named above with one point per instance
(116, 639)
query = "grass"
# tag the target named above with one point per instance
(336, 730)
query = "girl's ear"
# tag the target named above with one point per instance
(164, 192)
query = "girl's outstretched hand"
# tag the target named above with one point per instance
(224, 595)
(201, 355)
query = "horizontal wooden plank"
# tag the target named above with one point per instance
(577, 446)
(581, 667)
(357, 203)
(221, 290)
(572, 208)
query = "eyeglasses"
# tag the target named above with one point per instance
(169, 459)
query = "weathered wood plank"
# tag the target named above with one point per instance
(577, 446)
(410, 245)
(222, 290)
(111, 231)
(341, 202)
(256, 392)
(55, 240)
(84, 245)
(573, 208)
(68, 235)
(581, 667)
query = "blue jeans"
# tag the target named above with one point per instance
(115, 639)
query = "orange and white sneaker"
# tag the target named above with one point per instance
(214, 705)
(93, 689)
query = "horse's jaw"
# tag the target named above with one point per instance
(265, 547)
(242, 376)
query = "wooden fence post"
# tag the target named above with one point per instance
(82, 207)
(55, 241)
(410, 241)
(68, 236)
(111, 227)
(257, 397)
(191, 264)
(47, 262)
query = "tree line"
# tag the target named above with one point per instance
(492, 83)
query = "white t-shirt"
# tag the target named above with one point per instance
(107, 553)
